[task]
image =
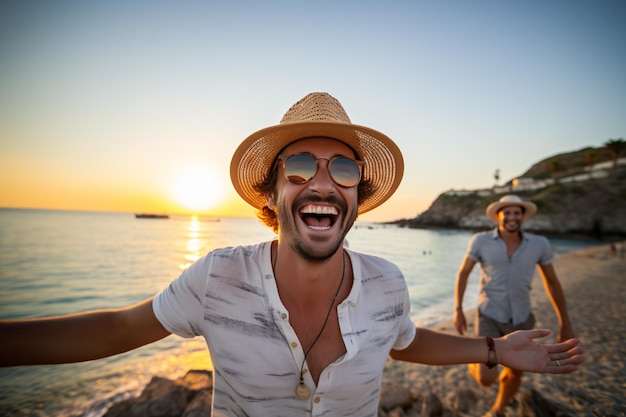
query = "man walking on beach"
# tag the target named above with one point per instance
(507, 258)
(298, 326)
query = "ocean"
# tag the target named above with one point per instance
(60, 262)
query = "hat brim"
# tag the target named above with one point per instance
(493, 208)
(255, 156)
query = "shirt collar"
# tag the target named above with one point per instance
(495, 235)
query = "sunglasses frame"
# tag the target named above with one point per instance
(284, 158)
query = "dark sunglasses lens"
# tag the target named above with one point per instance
(345, 172)
(300, 168)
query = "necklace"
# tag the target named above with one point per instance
(302, 391)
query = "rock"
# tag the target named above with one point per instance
(533, 404)
(396, 412)
(188, 396)
(431, 406)
(394, 396)
(200, 405)
(591, 208)
(161, 398)
(463, 400)
(197, 379)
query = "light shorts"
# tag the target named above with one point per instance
(486, 326)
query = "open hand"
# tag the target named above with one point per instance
(517, 350)
(459, 322)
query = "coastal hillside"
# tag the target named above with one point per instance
(578, 194)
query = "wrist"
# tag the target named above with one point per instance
(458, 308)
(492, 357)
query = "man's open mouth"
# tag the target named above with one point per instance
(319, 217)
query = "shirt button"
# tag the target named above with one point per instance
(283, 316)
(294, 345)
(317, 400)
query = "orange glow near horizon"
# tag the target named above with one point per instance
(129, 199)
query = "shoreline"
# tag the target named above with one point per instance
(600, 238)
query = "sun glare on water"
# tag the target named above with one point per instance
(197, 189)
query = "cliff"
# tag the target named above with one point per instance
(574, 197)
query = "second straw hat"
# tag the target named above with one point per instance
(510, 200)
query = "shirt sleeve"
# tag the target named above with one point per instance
(547, 255)
(179, 307)
(406, 333)
(406, 328)
(472, 249)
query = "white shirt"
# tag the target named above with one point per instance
(230, 297)
(505, 282)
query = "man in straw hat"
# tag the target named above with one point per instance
(301, 325)
(507, 258)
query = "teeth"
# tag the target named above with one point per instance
(321, 210)
(319, 227)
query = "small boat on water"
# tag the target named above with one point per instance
(151, 216)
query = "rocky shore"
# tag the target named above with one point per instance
(573, 203)
(570, 211)
(593, 281)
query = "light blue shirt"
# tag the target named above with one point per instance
(230, 297)
(504, 287)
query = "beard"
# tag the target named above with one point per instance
(512, 227)
(306, 251)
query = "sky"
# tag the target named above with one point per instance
(138, 106)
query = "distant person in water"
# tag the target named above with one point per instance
(301, 325)
(507, 258)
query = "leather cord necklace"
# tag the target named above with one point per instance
(302, 391)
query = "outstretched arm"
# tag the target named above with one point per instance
(557, 296)
(515, 350)
(460, 324)
(78, 337)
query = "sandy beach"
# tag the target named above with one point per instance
(594, 281)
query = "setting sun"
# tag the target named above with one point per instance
(197, 189)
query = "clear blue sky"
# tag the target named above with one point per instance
(103, 104)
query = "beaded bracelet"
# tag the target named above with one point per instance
(492, 359)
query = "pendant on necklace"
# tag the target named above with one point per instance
(302, 391)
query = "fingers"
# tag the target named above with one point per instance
(564, 366)
(565, 357)
(565, 369)
(460, 325)
(538, 333)
(564, 346)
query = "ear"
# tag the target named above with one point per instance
(269, 199)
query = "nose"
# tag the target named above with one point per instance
(322, 182)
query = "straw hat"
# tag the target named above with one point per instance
(510, 200)
(317, 115)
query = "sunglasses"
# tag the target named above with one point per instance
(300, 168)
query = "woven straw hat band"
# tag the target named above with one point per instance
(317, 107)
